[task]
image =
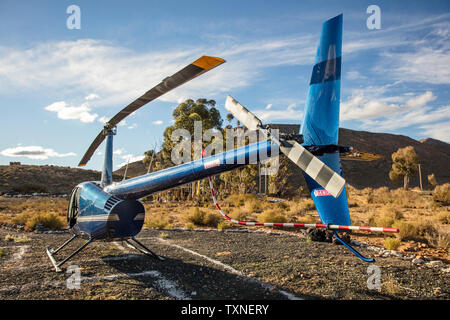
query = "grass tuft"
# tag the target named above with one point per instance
(392, 243)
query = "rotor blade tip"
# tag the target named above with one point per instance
(207, 62)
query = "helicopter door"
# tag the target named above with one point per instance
(72, 211)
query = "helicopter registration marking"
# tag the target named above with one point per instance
(212, 164)
(321, 193)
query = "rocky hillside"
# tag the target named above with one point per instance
(434, 157)
(51, 179)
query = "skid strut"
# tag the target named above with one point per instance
(356, 253)
(51, 252)
(143, 249)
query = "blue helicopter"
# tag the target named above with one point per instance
(108, 211)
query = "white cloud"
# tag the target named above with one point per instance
(66, 112)
(158, 122)
(422, 117)
(372, 104)
(440, 131)
(269, 115)
(92, 96)
(129, 158)
(34, 152)
(382, 113)
(424, 65)
(103, 120)
(268, 106)
(119, 151)
(133, 126)
(119, 75)
(354, 75)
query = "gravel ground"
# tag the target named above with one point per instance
(210, 265)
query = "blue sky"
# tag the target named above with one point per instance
(57, 85)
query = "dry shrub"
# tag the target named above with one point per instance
(189, 225)
(196, 216)
(297, 209)
(50, 220)
(391, 286)
(283, 206)
(392, 243)
(407, 231)
(272, 216)
(239, 200)
(23, 217)
(398, 197)
(370, 198)
(440, 238)
(199, 217)
(441, 194)
(382, 195)
(443, 217)
(222, 225)
(158, 220)
(385, 217)
(425, 227)
(238, 214)
(253, 205)
(212, 219)
(308, 204)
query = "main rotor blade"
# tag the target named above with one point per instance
(193, 70)
(305, 160)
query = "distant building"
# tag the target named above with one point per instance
(283, 128)
(286, 128)
(15, 163)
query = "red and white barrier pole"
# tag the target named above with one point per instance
(296, 225)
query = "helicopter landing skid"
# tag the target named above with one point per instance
(51, 252)
(144, 249)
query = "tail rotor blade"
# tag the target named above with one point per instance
(315, 168)
(242, 114)
(193, 70)
(305, 160)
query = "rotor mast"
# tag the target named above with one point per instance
(108, 159)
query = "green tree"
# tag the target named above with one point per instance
(404, 165)
(185, 114)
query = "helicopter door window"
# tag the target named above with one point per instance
(72, 211)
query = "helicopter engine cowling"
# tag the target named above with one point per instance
(94, 213)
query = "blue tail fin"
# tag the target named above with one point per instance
(321, 119)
